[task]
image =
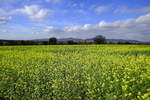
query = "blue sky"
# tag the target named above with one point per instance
(32, 19)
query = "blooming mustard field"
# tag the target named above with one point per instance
(75, 72)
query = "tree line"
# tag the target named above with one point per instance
(54, 41)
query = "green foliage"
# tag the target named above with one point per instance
(52, 40)
(64, 72)
(99, 39)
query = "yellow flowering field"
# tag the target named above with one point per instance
(75, 72)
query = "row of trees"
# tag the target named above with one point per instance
(97, 40)
(22, 42)
(53, 41)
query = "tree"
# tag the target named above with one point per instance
(84, 42)
(52, 40)
(70, 42)
(99, 39)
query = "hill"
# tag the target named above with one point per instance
(91, 40)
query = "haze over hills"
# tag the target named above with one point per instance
(91, 40)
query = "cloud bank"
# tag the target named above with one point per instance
(126, 29)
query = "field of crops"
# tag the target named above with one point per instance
(65, 72)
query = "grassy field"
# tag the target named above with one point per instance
(65, 72)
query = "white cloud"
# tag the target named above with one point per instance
(101, 9)
(129, 10)
(34, 12)
(52, 29)
(49, 29)
(3, 12)
(137, 29)
(144, 19)
(4, 31)
(4, 16)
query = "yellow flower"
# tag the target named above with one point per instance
(146, 95)
(130, 94)
(124, 87)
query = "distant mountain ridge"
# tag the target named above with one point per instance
(91, 40)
